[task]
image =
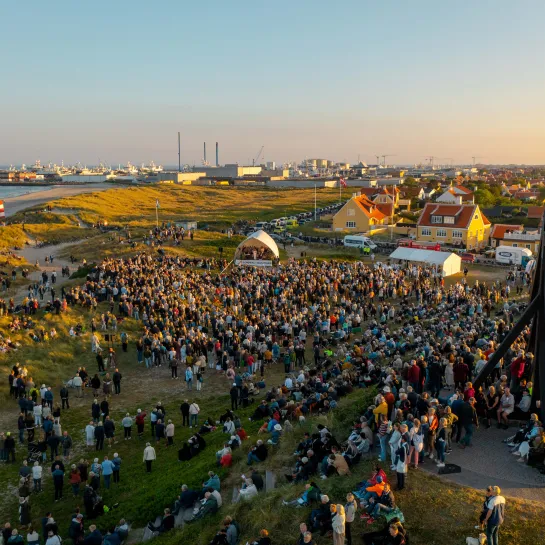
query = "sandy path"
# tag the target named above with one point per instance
(33, 254)
(16, 204)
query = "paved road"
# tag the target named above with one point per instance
(489, 462)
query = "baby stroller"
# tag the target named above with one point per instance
(34, 454)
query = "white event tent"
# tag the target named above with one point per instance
(258, 241)
(446, 262)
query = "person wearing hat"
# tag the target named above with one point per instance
(275, 435)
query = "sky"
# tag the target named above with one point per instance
(116, 81)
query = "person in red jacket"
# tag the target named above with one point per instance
(389, 398)
(461, 373)
(140, 421)
(413, 375)
(517, 370)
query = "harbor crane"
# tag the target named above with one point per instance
(378, 159)
(475, 158)
(254, 161)
(384, 158)
(431, 158)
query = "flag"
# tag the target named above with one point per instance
(157, 203)
(2, 211)
(342, 181)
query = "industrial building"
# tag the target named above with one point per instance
(229, 171)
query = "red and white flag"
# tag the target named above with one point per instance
(343, 183)
(2, 211)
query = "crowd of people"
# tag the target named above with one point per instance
(401, 329)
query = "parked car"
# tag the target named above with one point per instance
(468, 258)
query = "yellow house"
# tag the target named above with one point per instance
(455, 224)
(359, 215)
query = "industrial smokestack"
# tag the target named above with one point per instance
(217, 155)
(179, 157)
(204, 153)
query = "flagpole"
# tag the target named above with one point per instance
(156, 214)
(314, 202)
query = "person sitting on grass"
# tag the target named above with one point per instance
(311, 494)
(258, 453)
(384, 503)
(167, 523)
(209, 507)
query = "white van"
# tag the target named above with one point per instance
(512, 255)
(359, 241)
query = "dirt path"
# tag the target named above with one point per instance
(37, 255)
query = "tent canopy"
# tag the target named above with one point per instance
(259, 239)
(449, 262)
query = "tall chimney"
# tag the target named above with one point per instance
(217, 155)
(204, 153)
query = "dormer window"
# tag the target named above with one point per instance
(437, 219)
(448, 219)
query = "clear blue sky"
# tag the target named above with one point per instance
(117, 79)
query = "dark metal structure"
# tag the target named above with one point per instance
(535, 315)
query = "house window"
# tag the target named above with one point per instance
(350, 212)
(448, 219)
(515, 245)
(350, 224)
(457, 234)
(529, 246)
(426, 232)
(437, 219)
(476, 217)
(441, 232)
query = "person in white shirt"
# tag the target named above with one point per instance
(37, 476)
(37, 410)
(78, 383)
(248, 491)
(288, 383)
(149, 456)
(194, 411)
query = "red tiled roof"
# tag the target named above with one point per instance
(499, 229)
(536, 211)
(461, 212)
(463, 189)
(387, 208)
(368, 207)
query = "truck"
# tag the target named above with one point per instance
(512, 255)
(359, 241)
(418, 244)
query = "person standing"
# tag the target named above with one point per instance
(338, 520)
(116, 378)
(99, 436)
(169, 433)
(233, 392)
(189, 378)
(58, 482)
(75, 480)
(350, 512)
(494, 516)
(149, 456)
(64, 397)
(468, 419)
(184, 408)
(401, 462)
(117, 467)
(107, 471)
(140, 421)
(194, 411)
(37, 476)
(127, 426)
